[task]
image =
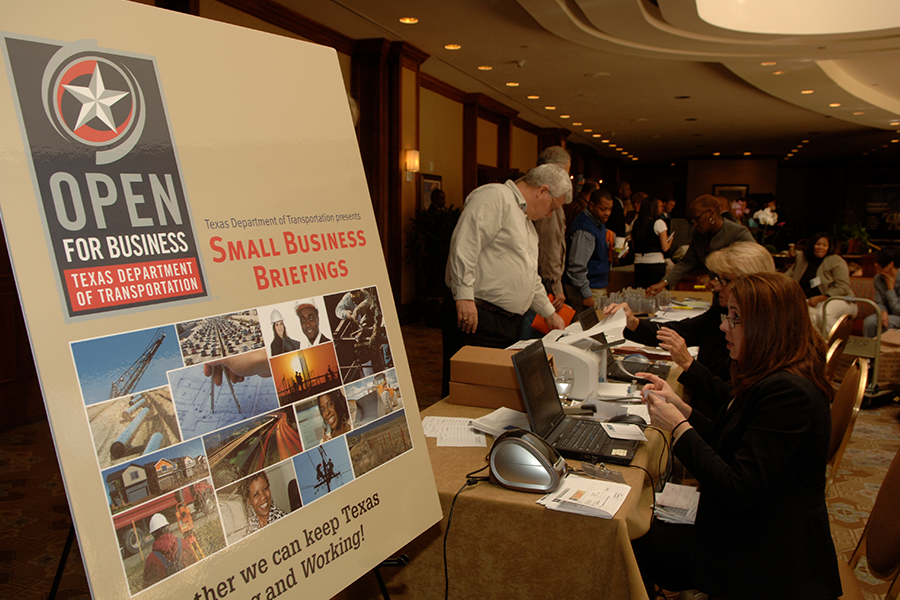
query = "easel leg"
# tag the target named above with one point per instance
(400, 561)
(62, 562)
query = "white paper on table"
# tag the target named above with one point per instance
(592, 497)
(624, 431)
(434, 425)
(501, 420)
(461, 437)
(679, 496)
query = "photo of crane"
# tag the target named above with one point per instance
(127, 428)
(119, 365)
(252, 445)
(322, 469)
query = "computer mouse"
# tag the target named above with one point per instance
(637, 359)
(626, 418)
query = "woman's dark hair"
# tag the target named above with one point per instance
(275, 333)
(245, 485)
(812, 244)
(778, 334)
(647, 216)
(340, 406)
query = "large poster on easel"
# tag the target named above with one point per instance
(207, 303)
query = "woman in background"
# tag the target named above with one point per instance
(762, 526)
(823, 274)
(651, 240)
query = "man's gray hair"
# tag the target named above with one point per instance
(554, 155)
(554, 177)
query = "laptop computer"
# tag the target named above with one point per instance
(582, 439)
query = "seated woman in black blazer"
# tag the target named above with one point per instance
(762, 527)
(709, 376)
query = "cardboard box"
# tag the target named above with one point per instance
(484, 366)
(486, 396)
(484, 377)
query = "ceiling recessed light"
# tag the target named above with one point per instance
(717, 154)
(895, 123)
(746, 154)
(452, 46)
(804, 141)
(596, 135)
(613, 146)
(834, 104)
(806, 91)
(859, 112)
(576, 124)
(409, 20)
(605, 141)
(533, 97)
(485, 68)
(635, 158)
(768, 63)
(588, 130)
(778, 72)
(564, 116)
(894, 141)
(512, 84)
(549, 108)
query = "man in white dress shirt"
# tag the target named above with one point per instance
(492, 269)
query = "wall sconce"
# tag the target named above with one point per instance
(412, 164)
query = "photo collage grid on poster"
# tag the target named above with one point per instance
(224, 424)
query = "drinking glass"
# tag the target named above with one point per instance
(565, 379)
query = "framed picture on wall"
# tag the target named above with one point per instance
(429, 184)
(732, 191)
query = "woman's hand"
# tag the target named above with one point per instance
(816, 300)
(631, 321)
(662, 390)
(677, 347)
(662, 414)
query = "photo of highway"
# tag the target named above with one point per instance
(207, 339)
(132, 426)
(322, 470)
(252, 445)
(119, 365)
(203, 407)
(379, 442)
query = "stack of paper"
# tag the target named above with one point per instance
(501, 420)
(677, 504)
(591, 497)
(453, 431)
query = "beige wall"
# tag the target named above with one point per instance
(760, 174)
(409, 137)
(441, 142)
(487, 143)
(523, 150)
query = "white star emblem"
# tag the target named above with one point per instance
(96, 100)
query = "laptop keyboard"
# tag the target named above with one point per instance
(584, 436)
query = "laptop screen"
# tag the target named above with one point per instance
(588, 318)
(538, 388)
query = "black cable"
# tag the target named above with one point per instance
(469, 481)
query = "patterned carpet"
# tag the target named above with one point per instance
(34, 514)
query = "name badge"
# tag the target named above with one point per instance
(815, 282)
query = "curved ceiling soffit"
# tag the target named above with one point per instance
(674, 31)
(638, 28)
